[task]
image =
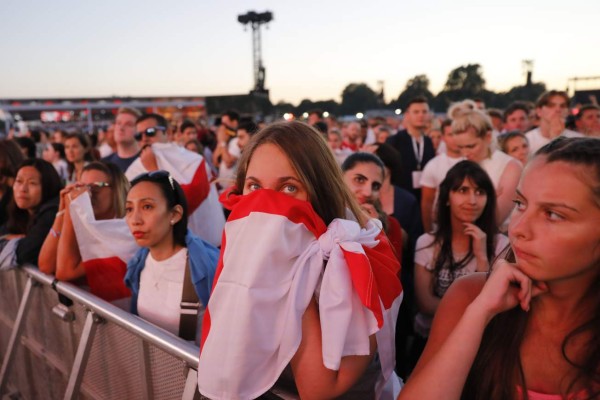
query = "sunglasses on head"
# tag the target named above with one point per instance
(150, 132)
(154, 176)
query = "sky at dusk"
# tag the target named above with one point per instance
(312, 49)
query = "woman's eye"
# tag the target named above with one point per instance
(253, 186)
(519, 205)
(480, 192)
(147, 207)
(552, 216)
(360, 179)
(128, 210)
(290, 189)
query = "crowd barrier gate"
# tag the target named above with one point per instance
(58, 341)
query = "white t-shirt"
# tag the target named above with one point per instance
(495, 166)
(434, 173)
(537, 141)
(425, 257)
(436, 169)
(161, 287)
(227, 174)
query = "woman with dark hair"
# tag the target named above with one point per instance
(530, 329)
(171, 258)
(465, 241)
(107, 188)
(363, 174)
(55, 153)
(27, 146)
(78, 151)
(31, 211)
(10, 159)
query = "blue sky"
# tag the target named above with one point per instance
(312, 49)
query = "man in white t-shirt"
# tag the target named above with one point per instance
(434, 173)
(552, 108)
(228, 152)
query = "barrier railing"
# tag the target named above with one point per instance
(58, 341)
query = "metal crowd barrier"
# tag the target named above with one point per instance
(83, 347)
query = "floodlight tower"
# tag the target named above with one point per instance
(527, 70)
(256, 20)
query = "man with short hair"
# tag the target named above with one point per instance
(496, 118)
(227, 152)
(245, 131)
(124, 132)
(314, 116)
(434, 173)
(516, 117)
(352, 136)
(150, 128)
(187, 131)
(552, 108)
(415, 148)
(205, 214)
(587, 120)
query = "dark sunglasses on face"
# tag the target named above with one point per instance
(150, 132)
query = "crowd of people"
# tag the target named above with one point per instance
(460, 255)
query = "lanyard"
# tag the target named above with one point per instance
(418, 150)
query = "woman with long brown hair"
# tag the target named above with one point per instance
(285, 298)
(530, 330)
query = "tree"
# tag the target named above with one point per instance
(416, 86)
(282, 107)
(526, 93)
(358, 97)
(464, 82)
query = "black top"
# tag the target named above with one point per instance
(402, 142)
(28, 248)
(122, 163)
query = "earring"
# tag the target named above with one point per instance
(172, 222)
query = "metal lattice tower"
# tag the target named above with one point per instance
(256, 20)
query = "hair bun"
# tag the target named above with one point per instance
(461, 108)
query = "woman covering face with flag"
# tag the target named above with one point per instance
(303, 280)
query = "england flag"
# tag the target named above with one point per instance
(105, 247)
(190, 170)
(277, 254)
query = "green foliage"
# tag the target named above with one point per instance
(463, 82)
(416, 86)
(358, 97)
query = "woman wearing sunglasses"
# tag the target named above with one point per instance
(107, 187)
(174, 270)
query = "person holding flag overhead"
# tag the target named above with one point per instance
(304, 280)
(206, 218)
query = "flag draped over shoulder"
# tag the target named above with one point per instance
(105, 247)
(276, 255)
(191, 171)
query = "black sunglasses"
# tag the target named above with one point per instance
(156, 175)
(150, 132)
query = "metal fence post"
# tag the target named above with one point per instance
(81, 358)
(16, 332)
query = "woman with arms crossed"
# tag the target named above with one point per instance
(531, 331)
